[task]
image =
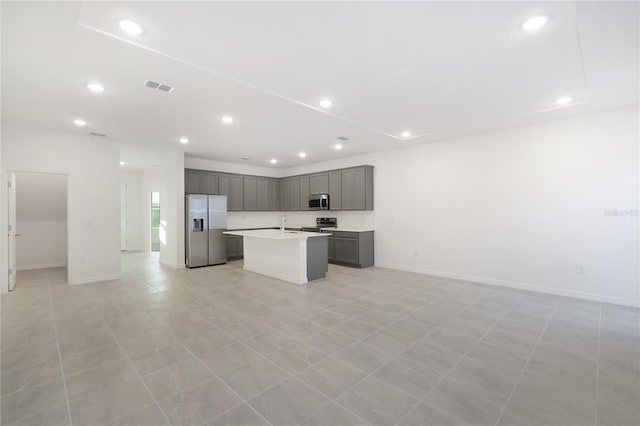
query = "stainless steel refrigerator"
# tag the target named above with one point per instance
(206, 222)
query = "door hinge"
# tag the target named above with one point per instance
(10, 271)
(9, 184)
(10, 228)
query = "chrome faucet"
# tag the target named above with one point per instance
(282, 222)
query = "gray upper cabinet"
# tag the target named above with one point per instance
(192, 182)
(224, 188)
(319, 183)
(273, 195)
(232, 187)
(294, 193)
(357, 188)
(237, 193)
(284, 194)
(335, 190)
(262, 196)
(304, 192)
(210, 183)
(348, 189)
(250, 193)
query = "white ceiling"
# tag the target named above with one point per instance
(41, 196)
(438, 69)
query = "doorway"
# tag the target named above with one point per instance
(155, 221)
(37, 213)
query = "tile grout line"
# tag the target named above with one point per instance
(137, 374)
(291, 375)
(446, 374)
(515, 386)
(55, 331)
(361, 340)
(598, 364)
(225, 384)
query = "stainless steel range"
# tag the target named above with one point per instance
(322, 222)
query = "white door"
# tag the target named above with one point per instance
(12, 229)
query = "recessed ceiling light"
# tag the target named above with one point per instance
(227, 119)
(95, 87)
(302, 155)
(534, 23)
(122, 163)
(184, 140)
(130, 27)
(79, 122)
(273, 161)
(563, 100)
(405, 134)
(338, 146)
(326, 103)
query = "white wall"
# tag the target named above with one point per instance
(93, 170)
(41, 220)
(134, 207)
(42, 244)
(172, 210)
(520, 207)
(222, 166)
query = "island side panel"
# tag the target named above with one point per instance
(285, 259)
(317, 257)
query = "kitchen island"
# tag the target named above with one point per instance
(293, 256)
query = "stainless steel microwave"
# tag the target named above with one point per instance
(319, 202)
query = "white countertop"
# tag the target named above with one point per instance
(276, 234)
(346, 230)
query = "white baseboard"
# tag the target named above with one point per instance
(41, 266)
(518, 285)
(95, 279)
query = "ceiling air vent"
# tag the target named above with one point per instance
(153, 85)
(99, 135)
(342, 138)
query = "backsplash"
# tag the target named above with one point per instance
(346, 219)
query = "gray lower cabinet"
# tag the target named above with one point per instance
(210, 183)
(335, 190)
(250, 193)
(351, 248)
(234, 247)
(192, 183)
(304, 192)
(319, 183)
(331, 251)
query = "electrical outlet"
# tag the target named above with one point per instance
(580, 269)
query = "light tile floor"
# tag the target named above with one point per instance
(220, 346)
